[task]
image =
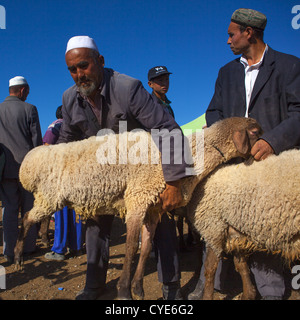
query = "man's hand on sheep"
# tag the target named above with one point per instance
(172, 197)
(261, 150)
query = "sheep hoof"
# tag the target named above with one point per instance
(124, 294)
(137, 293)
(19, 264)
(123, 297)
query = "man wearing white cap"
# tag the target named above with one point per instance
(99, 99)
(19, 133)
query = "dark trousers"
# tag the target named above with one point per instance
(98, 232)
(15, 200)
(166, 250)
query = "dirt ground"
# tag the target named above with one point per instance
(51, 280)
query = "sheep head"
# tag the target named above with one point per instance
(234, 137)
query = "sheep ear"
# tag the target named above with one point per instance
(241, 141)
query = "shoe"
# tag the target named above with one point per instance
(172, 291)
(271, 298)
(76, 253)
(197, 294)
(89, 294)
(54, 256)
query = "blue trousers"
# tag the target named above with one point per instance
(68, 232)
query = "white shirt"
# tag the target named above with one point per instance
(251, 73)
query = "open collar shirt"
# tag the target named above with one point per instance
(251, 73)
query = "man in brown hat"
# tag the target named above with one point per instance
(263, 84)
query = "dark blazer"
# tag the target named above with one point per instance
(167, 107)
(123, 99)
(19, 133)
(275, 100)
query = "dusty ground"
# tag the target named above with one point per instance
(50, 280)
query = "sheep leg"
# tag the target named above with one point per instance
(241, 266)
(133, 226)
(44, 231)
(27, 223)
(148, 232)
(210, 267)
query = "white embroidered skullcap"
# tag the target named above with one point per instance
(81, 42)
(17, 81)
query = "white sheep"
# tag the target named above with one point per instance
(71, 174)
(240, 209)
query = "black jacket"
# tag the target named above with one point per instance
(275, 100)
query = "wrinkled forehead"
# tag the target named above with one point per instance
(77, 55)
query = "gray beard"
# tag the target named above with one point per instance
(87, 91)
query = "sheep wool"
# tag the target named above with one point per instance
(75, 175)
(94, 177)
(260, 201)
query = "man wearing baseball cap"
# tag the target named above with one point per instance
(158, 81)
(19, 133)
(263, 84)
(165, 244)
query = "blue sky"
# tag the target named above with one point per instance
(189, 37)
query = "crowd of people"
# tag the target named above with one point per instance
(262, 83)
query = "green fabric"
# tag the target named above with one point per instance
(194, 125)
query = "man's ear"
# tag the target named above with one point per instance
(150, 84)
(101, 60)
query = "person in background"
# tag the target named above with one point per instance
(20, 132)
(263, 84)
(68, 229)
(158, 81)
(52, 132)
(165, 244)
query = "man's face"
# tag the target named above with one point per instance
(160, 84)
(86, 69)
(238, 41)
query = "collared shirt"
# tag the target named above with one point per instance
(251, 73)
